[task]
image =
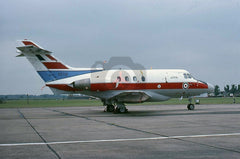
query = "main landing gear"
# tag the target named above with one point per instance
(190, 106)
(109, 108)
(117, 108)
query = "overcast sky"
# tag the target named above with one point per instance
(201, 36)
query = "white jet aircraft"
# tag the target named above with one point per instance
(114, 87)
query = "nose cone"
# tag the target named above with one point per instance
(210, 88)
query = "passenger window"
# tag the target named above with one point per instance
(143, 78)
(126, 78)
(134, 78)
(118, 78)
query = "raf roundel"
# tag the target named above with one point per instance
(185, 85)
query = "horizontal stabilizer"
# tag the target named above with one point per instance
(21, 55)
(33, 49)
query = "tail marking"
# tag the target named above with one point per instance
(51, 58)
(27, 42)
(54, 65)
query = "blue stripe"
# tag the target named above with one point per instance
(48, 76)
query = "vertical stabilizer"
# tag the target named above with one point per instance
(51, 70)
(44, 63)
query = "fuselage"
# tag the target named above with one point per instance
(160, 84)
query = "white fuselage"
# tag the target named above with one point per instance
(159, 84)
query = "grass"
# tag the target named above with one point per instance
(49, 103)
(85, 102)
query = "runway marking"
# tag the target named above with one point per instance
(120, 140)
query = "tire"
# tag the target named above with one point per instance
(122, 109)
(191, 107)
(110, 108)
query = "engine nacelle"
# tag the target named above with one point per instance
(83, 84)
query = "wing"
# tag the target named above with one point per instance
(131, 96)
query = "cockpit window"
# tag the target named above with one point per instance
(187, 76)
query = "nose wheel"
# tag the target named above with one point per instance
(190, 107)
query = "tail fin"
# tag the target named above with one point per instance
(47, 66)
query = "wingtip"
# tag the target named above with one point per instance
(27, 42)
(20, 55)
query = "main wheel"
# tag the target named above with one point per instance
(116, 110)
(122, 109)
(191, 107)
(110, 108)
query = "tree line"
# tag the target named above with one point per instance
(228, 91)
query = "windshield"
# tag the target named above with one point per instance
(187, 76)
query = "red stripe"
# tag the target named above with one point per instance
(29, 43)
(140, 86)
(54, 65)
(63, 87)
(50, 57)
(130, 86)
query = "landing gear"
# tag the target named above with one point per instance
(117, 107)
(120, 108)
(190, 106)
(109, 108)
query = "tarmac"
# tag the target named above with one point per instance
(164, 131)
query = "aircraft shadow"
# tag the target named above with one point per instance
(178, 112)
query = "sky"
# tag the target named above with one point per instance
(201, 36)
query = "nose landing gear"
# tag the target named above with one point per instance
(190, 106)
